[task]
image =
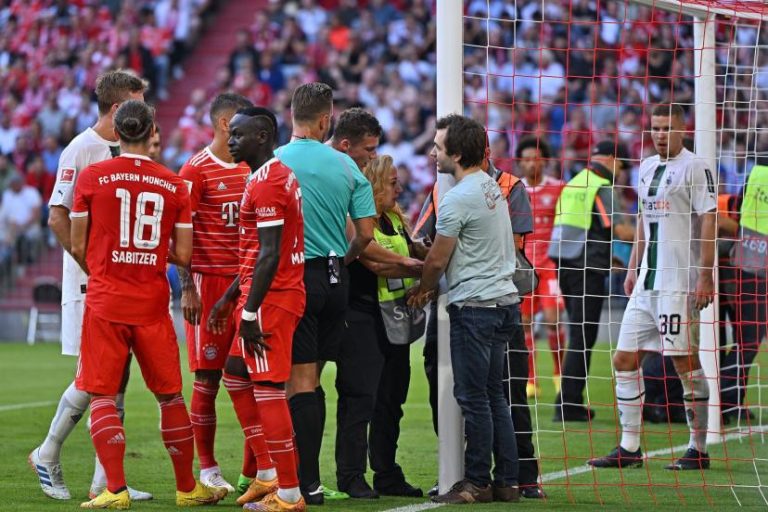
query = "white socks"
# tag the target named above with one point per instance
(72, 405)
(696, 401)
(291, 495)
(266, 475)
(630, 389)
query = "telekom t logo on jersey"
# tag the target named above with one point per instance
(230, 212)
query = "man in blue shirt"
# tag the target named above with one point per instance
(332, 188)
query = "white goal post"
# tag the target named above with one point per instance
(450, 82)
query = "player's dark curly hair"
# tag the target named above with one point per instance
(134, 120)
(533, 142)
(356, 123)
(464, 136)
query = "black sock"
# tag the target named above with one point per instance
(320, 393)
(305, 415)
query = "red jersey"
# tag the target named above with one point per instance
(133, 205)
(273, 198)
(215, 190)
(544, 198)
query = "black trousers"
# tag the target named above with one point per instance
(750, 330)
(584, 292)
(372, 382)
(517, 375)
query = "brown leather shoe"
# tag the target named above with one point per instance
(509, 493)
(464, 492)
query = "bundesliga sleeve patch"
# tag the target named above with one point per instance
(67, 175)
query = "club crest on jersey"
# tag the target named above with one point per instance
(67, 175)
(221, 186)
(210, 352)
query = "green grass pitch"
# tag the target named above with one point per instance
(33, 378)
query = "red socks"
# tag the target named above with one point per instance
(531, 357)
(250, 463)
(176, 430)
(108, 438)
(555, 340)
(278, 428)
(203, 416)
(241, 392)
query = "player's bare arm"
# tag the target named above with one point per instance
(181, 251)
(434, 266)
(705, 284)
(220, 313)
(78, 240)
(61, 226)
(361, 239)
(191, 305)
(263, 274)
(638, 248)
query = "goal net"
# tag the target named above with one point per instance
(576, 73)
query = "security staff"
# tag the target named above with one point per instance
(750, 257)
(581, 248)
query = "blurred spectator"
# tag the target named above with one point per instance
(20, 215)
(51, 117)
(244, 54)
(7, 172)
(8, 134)
(50, 154)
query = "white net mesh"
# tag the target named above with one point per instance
(573, 74)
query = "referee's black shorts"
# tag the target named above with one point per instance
(318, 335)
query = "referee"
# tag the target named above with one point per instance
(332, 187)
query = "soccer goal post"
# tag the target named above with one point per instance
(703, 16)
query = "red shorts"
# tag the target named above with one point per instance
(275, 366)
(546, 296)
(105, 350)
(206, 350)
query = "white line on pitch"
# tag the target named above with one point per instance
(28, 405)
(556, 475)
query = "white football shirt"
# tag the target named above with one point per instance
(672, 195)
(85, 149)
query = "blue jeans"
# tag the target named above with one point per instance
(478, 343)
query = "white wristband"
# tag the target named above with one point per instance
(248, 316)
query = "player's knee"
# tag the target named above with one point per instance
(208, 376)
(625, 361)
(685, 364)
(235, 366)
(304, 379)
(167, 397)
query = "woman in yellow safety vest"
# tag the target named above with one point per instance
(373, 367)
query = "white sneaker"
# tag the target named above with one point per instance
(135, 494)
(212, 478)
(50, 476)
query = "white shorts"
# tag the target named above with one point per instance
(663, 322)
(71, 327)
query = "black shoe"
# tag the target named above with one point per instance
(434, 491)
(572, 413)
(533, 492)
(619, 458)
(359, 489)
(403, 489)
(691, 459)
(313, 495)
(464, 492)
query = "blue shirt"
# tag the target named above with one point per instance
(332, 186)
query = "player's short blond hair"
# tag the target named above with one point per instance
(114, 87)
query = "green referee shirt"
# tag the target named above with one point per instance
(331, 187)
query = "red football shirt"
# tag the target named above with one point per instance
(273, 198)
(133, 205)
(544, 198)
(215, 190)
